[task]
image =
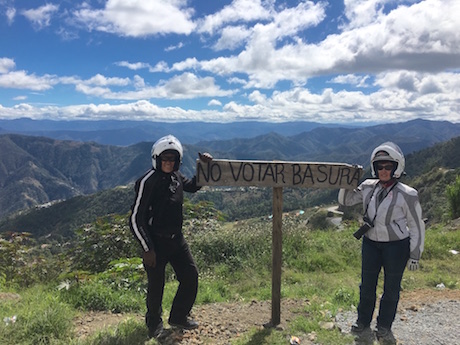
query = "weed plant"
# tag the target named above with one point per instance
(40, 318)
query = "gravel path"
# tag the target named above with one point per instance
(425, 317)
(420, 323)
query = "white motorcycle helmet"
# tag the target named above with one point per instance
(391, 152)
(167, 143)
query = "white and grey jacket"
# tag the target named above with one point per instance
(398, 216)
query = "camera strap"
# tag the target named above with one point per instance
(381, 196)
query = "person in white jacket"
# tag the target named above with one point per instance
(393, 236)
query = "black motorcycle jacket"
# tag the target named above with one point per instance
(157, 207)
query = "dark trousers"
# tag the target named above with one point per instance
(176, 252)
(392, 256)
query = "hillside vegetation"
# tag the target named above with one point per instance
(43, 287)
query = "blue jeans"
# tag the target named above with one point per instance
(392, 256)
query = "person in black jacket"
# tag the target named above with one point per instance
(156, 222)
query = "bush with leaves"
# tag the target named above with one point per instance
(318, 221)
(97, 244)
(95, 294)
(23, 262)
(109, 238)
(453, 195)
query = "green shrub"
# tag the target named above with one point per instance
(23, 262)
(99, 243)
(125, 274)
(236, 248)
(453, 196)
(97, 295)
(318, 221)
(346, 296)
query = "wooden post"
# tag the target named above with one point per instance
(277, 174)
(277, 249)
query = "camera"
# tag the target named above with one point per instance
(363, 228)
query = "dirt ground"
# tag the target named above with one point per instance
(221, 322)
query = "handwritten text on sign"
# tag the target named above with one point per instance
(220, 172)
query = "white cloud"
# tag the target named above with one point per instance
(423, 36)
(6, 64)
(257, 97)
(41, 16)
(238, 11)
(214, 102)
(361, 13)
(232, 37)
(138, 18)
(177, 46)
(138, 82)
(10, 15)
(22, 80)
(352, 79)
(161, 66)
(101, 80)
(190, 63)
(408, 51)
(391, 103)
(184, 86)
(133, 66)
(421, 83)
(139, 110)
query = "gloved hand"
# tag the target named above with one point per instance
(205, 157)
(412, 264)
(150, 258)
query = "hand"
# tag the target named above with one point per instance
(205, 157)
(412, 265)
(150, 258)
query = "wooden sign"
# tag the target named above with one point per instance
(277, 174)
(221, 172)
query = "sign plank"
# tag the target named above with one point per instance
(277, 174)
(222, 172)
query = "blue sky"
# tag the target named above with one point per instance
(351, 61)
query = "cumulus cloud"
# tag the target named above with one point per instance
(361, 13)
(138, 18)
(423, 36)
(133, 66)
(25, 81)
(352, 79)
(6, 64)
(184, 86)
(403, 57)
(10, 15)
(41, 16)
(232, 37)
(214, 102)
(177, 46)
(237, 11)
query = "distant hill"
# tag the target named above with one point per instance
(39, 170)
(125, 133)
(352, 145)
(429, 171)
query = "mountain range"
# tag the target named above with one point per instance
(37, 170)
(432, 169)
(125, 133)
